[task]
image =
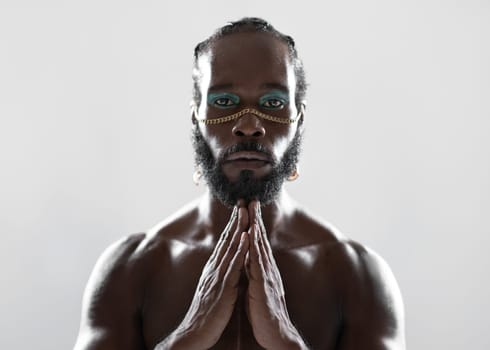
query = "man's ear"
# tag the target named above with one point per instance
(302, 109)
(193, 112)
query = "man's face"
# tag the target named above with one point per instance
(247, 157)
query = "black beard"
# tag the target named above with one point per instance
(246, 187)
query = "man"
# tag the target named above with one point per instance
(243, 267)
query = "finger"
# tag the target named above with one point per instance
(264, 259)
(266, 245)
(223, 260)
(232, 276)
(243, 219)
(256, 219)
(262, 249)
(252, 211)
(263, 230)
(256, 269)
(246, 263)
(266, 252)
(230, 227)
(255, 213)
(241, 226)
(270, 267)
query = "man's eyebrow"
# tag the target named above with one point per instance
(220, 87)
(276, 86)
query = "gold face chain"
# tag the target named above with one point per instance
(237, 115)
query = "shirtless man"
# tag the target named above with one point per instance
(243, 267)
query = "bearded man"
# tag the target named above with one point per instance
(243, 267)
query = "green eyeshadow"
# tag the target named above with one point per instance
(223, 99)
(274, 95)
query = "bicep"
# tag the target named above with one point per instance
(373, 312)
(110, 311)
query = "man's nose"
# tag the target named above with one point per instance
(248, 125)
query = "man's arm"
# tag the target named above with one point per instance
(110, 310)
(372, 308)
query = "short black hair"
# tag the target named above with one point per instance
(251, 24)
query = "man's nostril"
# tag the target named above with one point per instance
(248, 126)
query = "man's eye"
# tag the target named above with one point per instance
(223, 102)
(273, 103)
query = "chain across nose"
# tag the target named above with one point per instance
(248, 125)
(244, 111)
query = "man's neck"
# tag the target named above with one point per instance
(215, 215)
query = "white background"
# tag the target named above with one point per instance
(95, 130)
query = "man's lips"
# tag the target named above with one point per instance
(247, 156)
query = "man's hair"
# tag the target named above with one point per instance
(250, 24)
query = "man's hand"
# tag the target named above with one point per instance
(216, 292)
(266, 305)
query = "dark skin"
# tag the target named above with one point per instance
(250, 277)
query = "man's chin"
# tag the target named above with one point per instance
(246, 187)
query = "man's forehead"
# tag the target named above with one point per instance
(249, 42)
(245, 56)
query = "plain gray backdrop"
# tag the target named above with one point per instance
(95, 145)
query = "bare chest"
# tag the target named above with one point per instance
(311, 297)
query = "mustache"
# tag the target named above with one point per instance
(247, 146)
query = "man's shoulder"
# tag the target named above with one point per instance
(369, 287)
(359, 260)
(353, 259)
(114, 266)
(113, 289)
(131, 259)
(131, 251)
(118, 255)
(362, 265)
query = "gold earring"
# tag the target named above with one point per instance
(196, 177)
(294, 175)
